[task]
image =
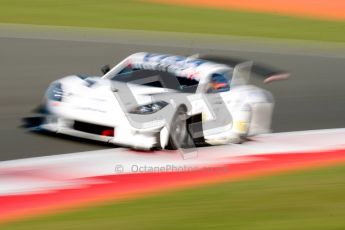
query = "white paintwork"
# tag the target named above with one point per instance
(98, 104)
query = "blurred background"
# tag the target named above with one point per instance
(42, 40)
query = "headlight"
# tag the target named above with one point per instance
(150, 108)
(55, 92)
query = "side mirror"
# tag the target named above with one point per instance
(105, 69)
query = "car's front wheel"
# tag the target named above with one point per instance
(179, 136)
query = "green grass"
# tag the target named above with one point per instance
(303, 200)
(134, 14)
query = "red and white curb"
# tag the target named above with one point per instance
(37, 185)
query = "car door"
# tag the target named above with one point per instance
(218, 117)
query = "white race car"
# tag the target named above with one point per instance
(150, 101)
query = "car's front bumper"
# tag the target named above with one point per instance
(120, 135)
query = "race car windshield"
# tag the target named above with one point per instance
(156, 78)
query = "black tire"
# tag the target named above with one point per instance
(179, 136)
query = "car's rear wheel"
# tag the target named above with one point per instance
(179, 137)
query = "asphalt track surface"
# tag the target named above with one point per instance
(313, 98)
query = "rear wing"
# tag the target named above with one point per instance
(244, 68)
